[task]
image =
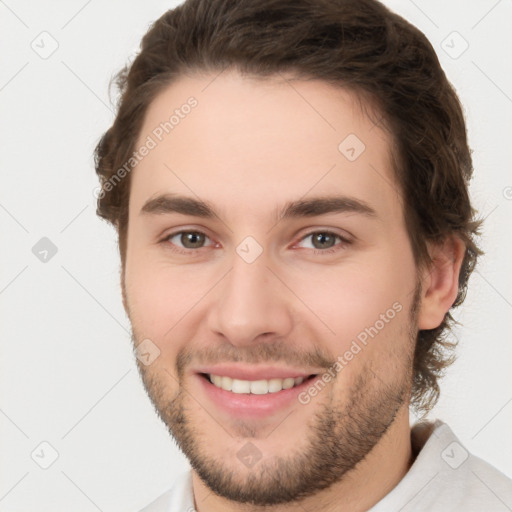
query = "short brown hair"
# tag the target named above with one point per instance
(356, 44)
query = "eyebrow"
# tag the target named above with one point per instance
(174, 203)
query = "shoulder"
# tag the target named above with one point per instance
(482, 484)
(446, 476)
(178, 497)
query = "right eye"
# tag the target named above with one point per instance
(186, 242)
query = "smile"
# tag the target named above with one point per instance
(255, 387)
(252, 391)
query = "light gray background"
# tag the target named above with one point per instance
(67, 376)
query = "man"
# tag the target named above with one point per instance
(288, 179)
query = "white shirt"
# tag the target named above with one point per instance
(444, 477)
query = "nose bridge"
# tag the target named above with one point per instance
(249, 303)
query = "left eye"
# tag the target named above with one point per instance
(324, 239)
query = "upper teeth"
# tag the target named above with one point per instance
(256, 387)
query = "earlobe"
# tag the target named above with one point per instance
(440, 283)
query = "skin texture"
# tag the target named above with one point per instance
(247, 148)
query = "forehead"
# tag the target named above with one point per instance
(254, 143)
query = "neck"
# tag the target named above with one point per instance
(374, 477)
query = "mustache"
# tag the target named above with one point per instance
(268, 352)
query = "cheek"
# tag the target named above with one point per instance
(161, 299)
(363, 300)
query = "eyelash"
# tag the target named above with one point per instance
(193, 252)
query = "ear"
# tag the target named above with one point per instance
(123, 291)
(440, 283)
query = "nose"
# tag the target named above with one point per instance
(250, 302)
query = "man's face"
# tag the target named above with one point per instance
(248, 295)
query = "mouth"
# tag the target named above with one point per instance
(257, 398)
(255, 387)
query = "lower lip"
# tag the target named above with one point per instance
(251, 405)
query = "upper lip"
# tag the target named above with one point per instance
(254, 372)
